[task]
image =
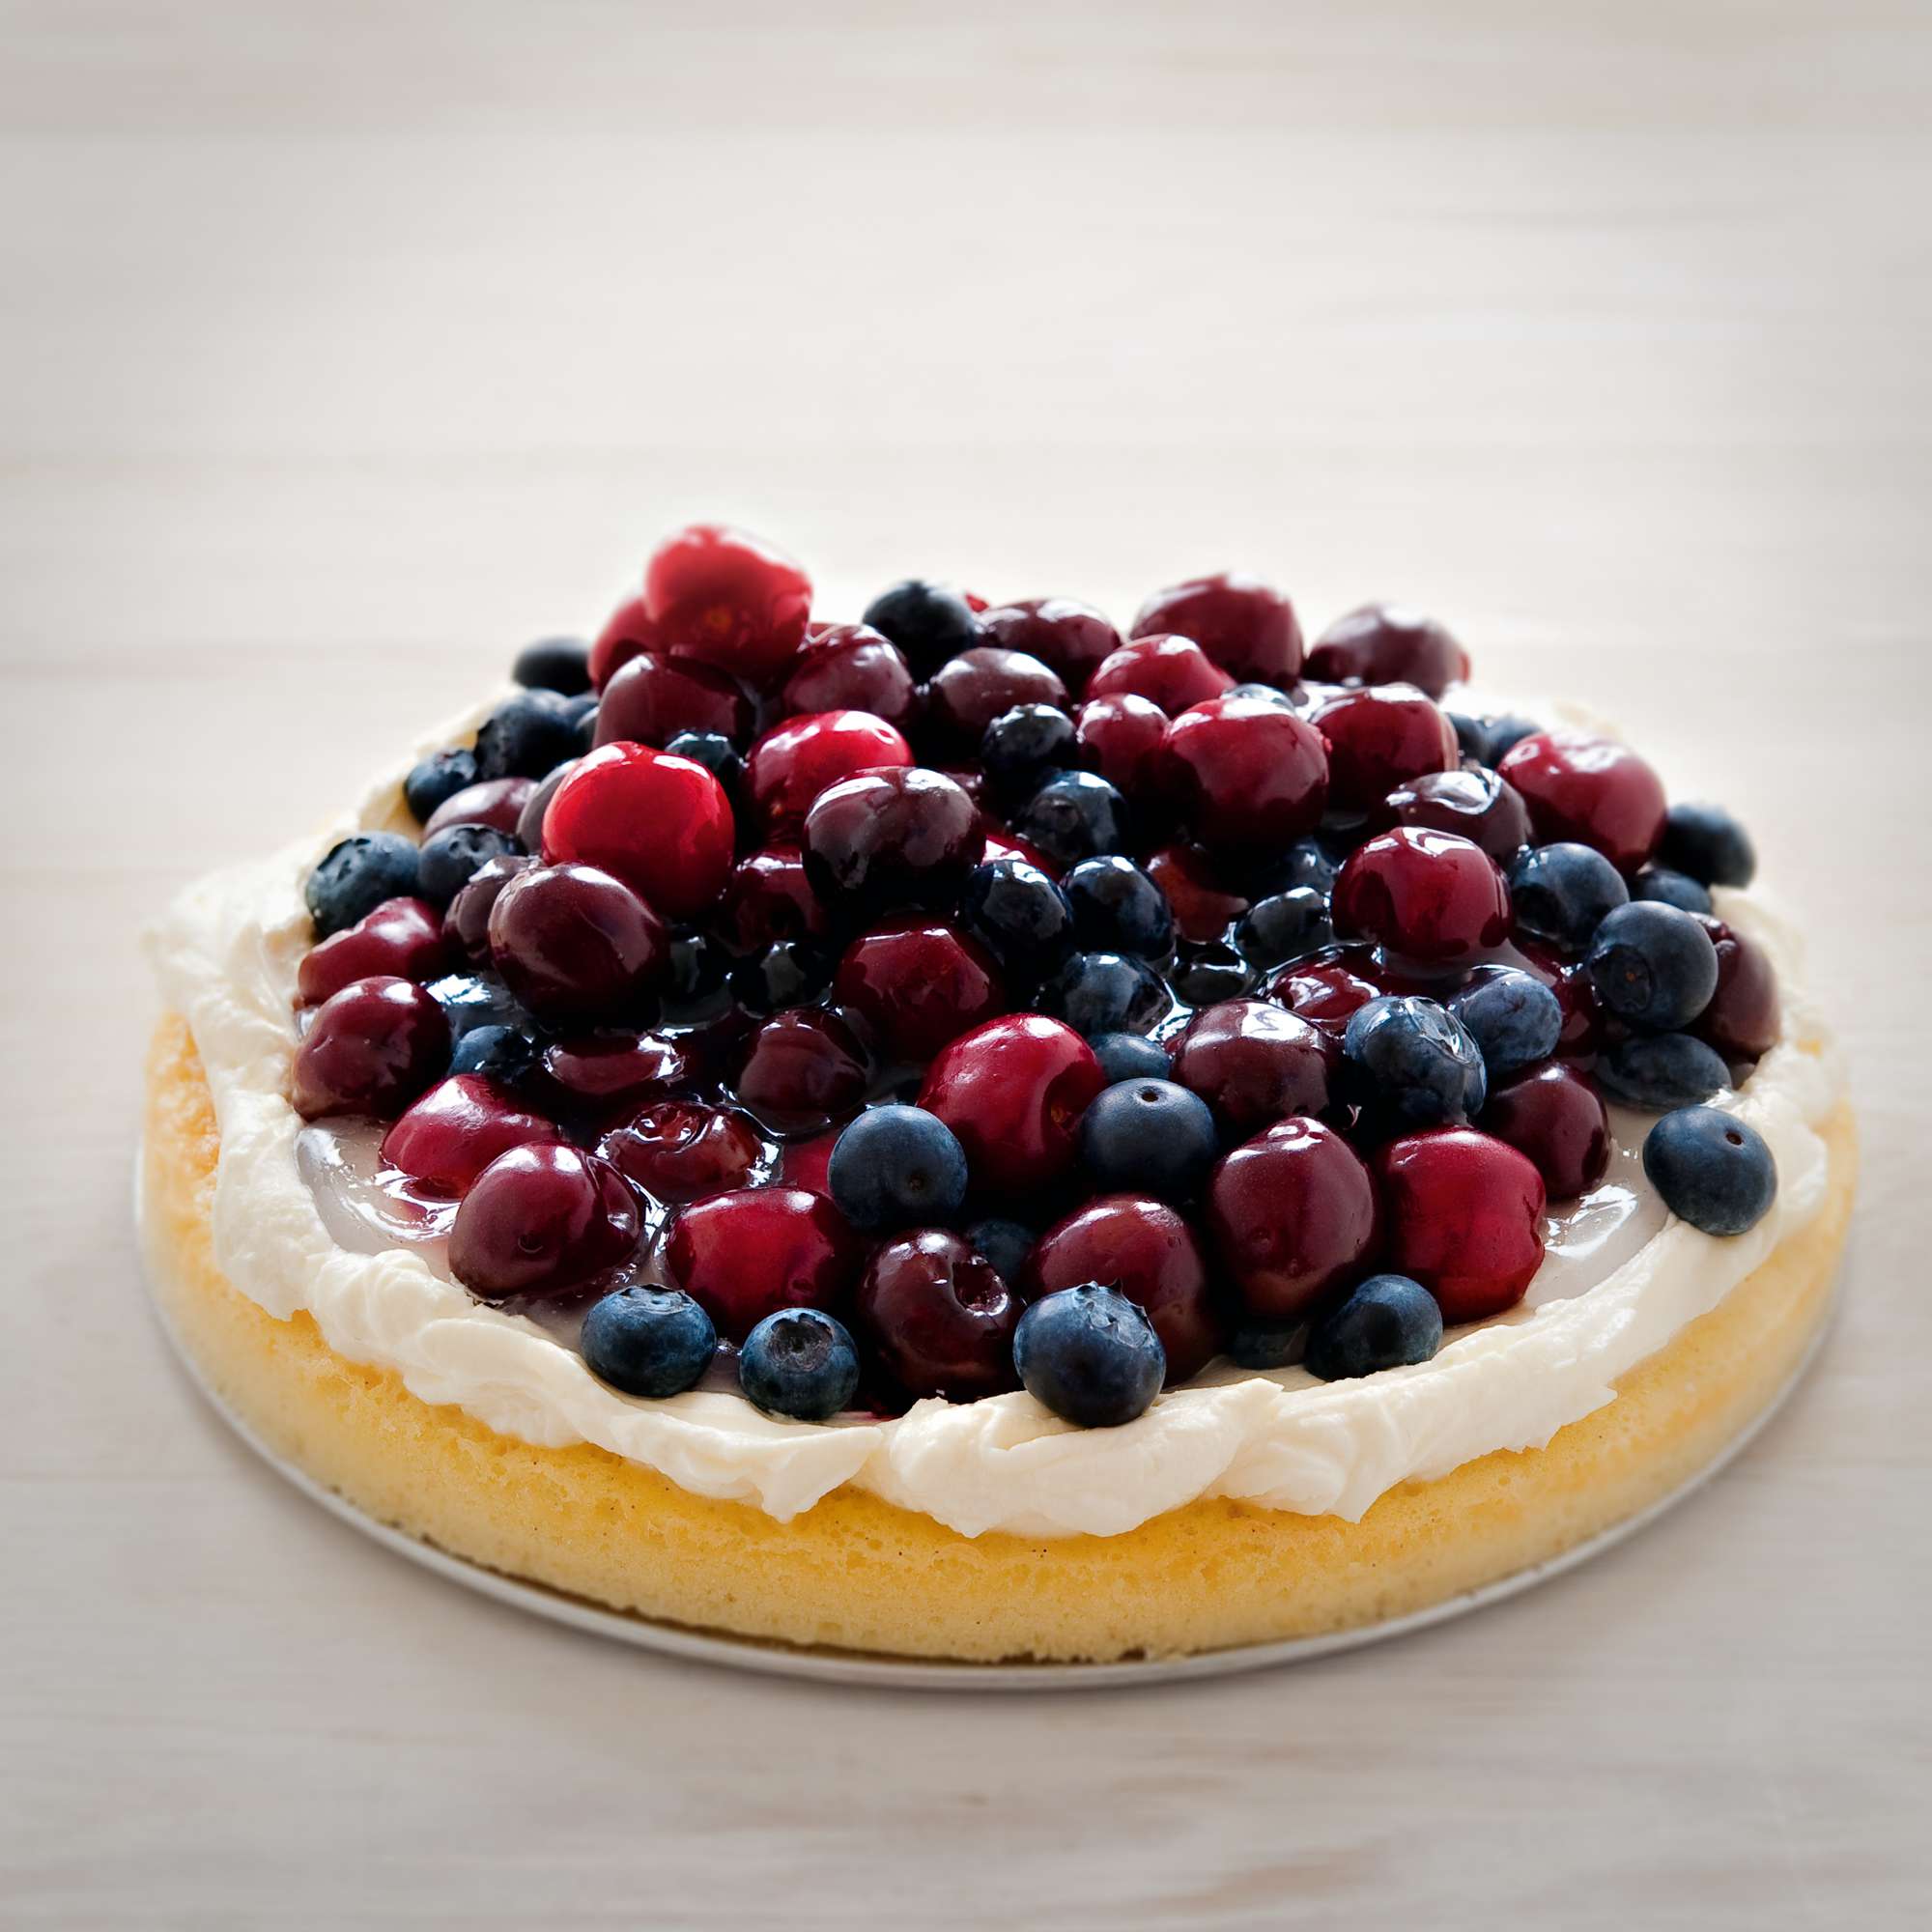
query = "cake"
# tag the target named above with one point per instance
(967, 1136)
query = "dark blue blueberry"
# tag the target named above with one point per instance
(1386, 1321)
(527, 736)
(1266, 1344)
(1022, 747)
(1019, 915)
(1660, 1071)
(1283, 926)
(357, 874)
(1104, 992)
(1713, 1170)
(1659, 883)
(561, 665)
(716, 753)
(1203, 976)
(1413, 1060)
(1514, 1019)
(439, 777)
(1090, 1355)
(1006, 1244)
(1473, 736)
(450, 856)
(897, 1167)
(1149, 1137)
(648, 1341)
(1117, 908)
(504, 1054)
(1708, 843)
(1563, 892)
(1653, 966)
(1303, 863)
(1074, 816)
(470, 1001)
(1129, 1056)
(927, 621)
(695, 968)
(788, 974)
(583, 714)
(800, 1362)
(1505, 735)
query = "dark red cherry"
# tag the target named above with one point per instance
(679, 1150)
(542, 1220)
(1202, 910)
(967, 692)
(497, 803)
(1324, 989)
(1388, 644)
(1170, 673)
(937, 1317)
(729, 597)
(1557, 1118)
(1476, 805)
(805, 1163)
(1070, 638)
(1743, 1020)
(746, 1254)
(660, 823)
(614, 1068)
(1379, 737)
(1582, 1018)
(1463, 1214)
(769, 898)
(919, 984)
(572, 942)
(400, 939)
(466, 926)
(1246, 773)
(851, 667)
(371, 1049)
(1121, 737)
(1245, 625)
(1590, 790)
(1254, 1064)
(1014, 1091)
(886, 840)
(802, 1069)
(450, 1135)
(793, 762)
(627, 635)
(1429, 895)
(653, 698)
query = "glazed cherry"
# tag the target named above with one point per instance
(466, 926)
(497, 803)
(967, 692)
(1254, 1064)
(400, 939)
(450, 1135)
(937, 1318)
(747, 1253)
(1464, 1212)
(1293, 1218)
(851, 667)
(793, 762)
(1476, 805)
(572, 942)
(1557, 1118)
(653, 698)
(1429, 895)
(891, 839)
(679, 1150)
(614, 1068)
(1388, 644)
(1170, 673)
(1070, 638)
(918, 986)
(371, 1049)
(1120, 737)
(802, 1069)
(729, 597)
(768, 899)
(1743, 1020)
(662, 824)
(1584, 1020)
(542, 1220)
(1245, 625)
(1202, 910)
(1324, 990)
(1247, 774)
(1014, 1091)
(627, 635)
(807, 1163)
(1379, 737)
(1589, 790)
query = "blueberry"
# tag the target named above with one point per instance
(450, 856)
(470, 1001)
(561, 665)
(1673, 889)
(1713, 1170)
(1562, 893)
(527, 736)
(583, 715)
(928, 622)
(504, 1054)
(1129, 1056)
(1515, 1020)
(1505, 735)
(1149, 1137)
(1386, 1321)
(716, 753)
(1090, 1355)
(1707, 843)
(1413, 1060)
(695, 968)
(800, 1362)
(1283, 926)
(787, 974)
(1266, 1344)
(1019, 915)
(897, 1167)
(1118, 908)
(1203, 976)
(357, 874)
(1653, 965)
(647, 1341)
(1660, 1071)
(1304, 864)
(1074, 816)
(1006, 1244)
(1104, 992)
(1473, 736)
(1021, 748)
(438, 777)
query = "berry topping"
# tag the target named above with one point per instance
(1556, 1116)
(1090, 1355)
(1246, 774)
(787, 974)
(1170, 672)
(1246, 627)
(1203, 976)
(647, 1341)
(1325, 992)
(794, 762)
(1020, 916)
(1014, 1091)
(1464, 1212)
(1150, 1136)
(660, 824)
(400, 939)
(927, 621)
(1410, 1060)
(1563, 893)
(897, 1167)
(1253, 1063)
(889, 841)
(1283, 926)
(1105, 992)
(540, 1220)
(1513, 1018)
(1707, 844)
(743, 1254)
(1203, 909)
(1661, 1071)
(937, 1317)
(505, 1055)
(561, 665)
(355, 875)
(681, 1151)
(450, 858)
(1023, 748)
(572, 942)
(527, 736)
(767, 899)
(851, 667)
(1388, 644)
(1480, 805)
(439, 777)
(1659, 883)
(1379, 737)
(499, 803)
(1592, 790)
(1743, 1019)
(728, 598)
(917, 986)
(1386, 1322)
(967, 692)
(1069, 636)
(1122, 738)
(1711, 1169)
(449, 1136)
(529, 820)
(1653, 966)
(1428, 895)
(1129, 1056)
(653, 698)
(371, 1048)
(628, 632)
(1072, 816)
(802, 1069)
(1118, 906)
(799, 1362)
(614, 1068)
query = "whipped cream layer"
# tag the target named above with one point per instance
(227, 954)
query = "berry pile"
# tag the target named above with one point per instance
(972, 998)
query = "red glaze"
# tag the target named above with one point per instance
(918, 986)
(1379, 737)
(400, 939)
(1292, 1214)
(1201, 910)
(729, 597)
(1014, 1091)
(883, 841)
(1243, 624)
(572, 942)
(745, 1254)
(1464, 1217)
(1254, 1064)
(1388, 644)
(612, 1069)
(1429, 895)
(768, 899)
(1743, 1019)
(851, 667)
(1122, 738)
(1324, 990)
(1170, 673)
(653, 698)
(968, 692)
(497, 803)
(542, 1220)
(678, 1150)
(1246, 773)
(660, 824)
(1591, 790)
(1070, 638)
(802, 1069)
(1556, 1116)
(628, 632)
(371, 1049)
(793, 762)
(937, 1317)
(450, 1135)
(466, 926)
(1476, 805)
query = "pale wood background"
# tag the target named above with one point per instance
(347, 346)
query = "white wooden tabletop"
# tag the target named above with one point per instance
(348, 347)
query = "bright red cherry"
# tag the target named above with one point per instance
(1069, 636)
(401, 939)
(729, 597)
(1557, 1118)
(679, 1150)
(805, 1163)
(542, 1220)
(968, 692)
(371, 1049)
(660, 823)
(1464, 1212)
(802, 1069)
(466, 926)
(629, 633)
(1245, 625)
(1590, 790)
(614, 1068)
(1478, 805)
(937, 1317)
(793, 762)
(1254, 1064)
(572, 942)
(1170, 673)
(1202, 911)
(653, 698)
(497, 803)
(1121, 737)
(1388, 644)
(883, 841)
(918, 986)
(769, 898)
(1429, 895)
(1324, 990)
(851, 667)
(1379, 737)
(1292, 1214)
(1743, 1020)
(745, 1254)
(1247, 774)
(449, 1136)
(1014, 1091)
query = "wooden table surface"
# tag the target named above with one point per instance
(348, 347)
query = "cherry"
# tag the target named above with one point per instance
(1069, 636)
(1743, 1019)
(1254, 1064)
(967, 692)
(1246, 773)
(1170, 673)
(768, 899)
(679, 1150)
(1388, 644)
(851, 667)
(1590, 790)
(660, 824)
(653, 698)
(1464, 1217)
(805, 1163)
(1121, 737)
(747, 1253)
(612, 1069)
(938, 1318)
(1324, 990)
(540, 1220)
(572, 942)
(1476, 804)
(1004, 845)
(727, 597)
(1293, 1218)
(400, 939)
(918, 986)
(466, 926)
(497, 803)
(1245, 626)
(1584, 1020)
(888, 840)
(1556, 1116)
(1014, 1091)
(628, 632)
(1429, 895)
(793, 762)
(371, 1049)
(450, 1135)
(1201, 910)
(801, 1070)
(1379, 737)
